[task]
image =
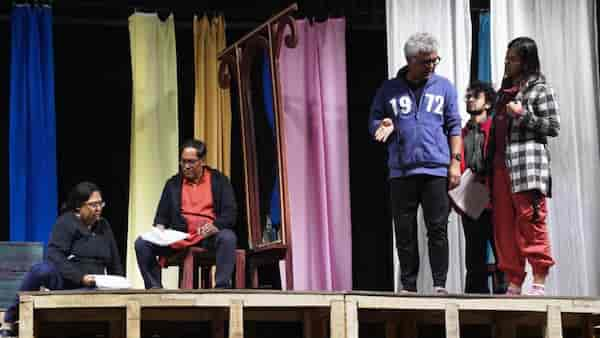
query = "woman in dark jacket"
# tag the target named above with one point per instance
(81, 245)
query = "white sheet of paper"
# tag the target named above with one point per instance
(111, 282)
(471, 197)
(164, 237)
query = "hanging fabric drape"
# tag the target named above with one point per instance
(565, 32)
(313, 80)
(450, 22)
(274, 193)
(32, 132)
(212, 104)
(154, 127)
(484, 63)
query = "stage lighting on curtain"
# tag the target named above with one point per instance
(32, 132)
(212, 104)
(154, 127)
(314, 90)
(450, 22)
(565, 32)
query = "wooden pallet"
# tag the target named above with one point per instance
(401, 314)
(125, 310)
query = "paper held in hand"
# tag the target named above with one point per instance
(163, 237)
(471, 196)
(111, 282)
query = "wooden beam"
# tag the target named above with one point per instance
(452, 321)
(351, 319)
(236, 319)
(538, 304)
(265, 25)
(182, 299)
(337, 319)
(26, 319)
(134, 323)
(553, 322)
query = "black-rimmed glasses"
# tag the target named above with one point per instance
(96, 205)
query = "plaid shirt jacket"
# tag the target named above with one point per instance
(527, 154)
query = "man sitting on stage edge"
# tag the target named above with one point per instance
(200, 201)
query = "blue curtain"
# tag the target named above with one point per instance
(275, 207)
(32, 137)
(484, 69)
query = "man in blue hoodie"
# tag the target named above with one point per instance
(416, 116)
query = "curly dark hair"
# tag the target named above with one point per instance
(483, 87)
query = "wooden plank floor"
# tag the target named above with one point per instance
(322, 314)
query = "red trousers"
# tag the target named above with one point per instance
(520, 229)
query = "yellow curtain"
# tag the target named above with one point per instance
(212, 105)
(154, 127)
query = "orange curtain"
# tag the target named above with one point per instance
(212, 105)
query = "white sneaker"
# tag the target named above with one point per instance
(536, 290)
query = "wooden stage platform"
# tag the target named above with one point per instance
(234, 313)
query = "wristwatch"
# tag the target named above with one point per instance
(457, 156)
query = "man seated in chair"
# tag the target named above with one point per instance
(200, 201)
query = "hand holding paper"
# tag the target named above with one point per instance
(471, 196)
(163, 237)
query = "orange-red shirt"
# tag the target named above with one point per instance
(197, 208)
(197, 202)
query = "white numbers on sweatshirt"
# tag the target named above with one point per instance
(403, 104)
(439, 100)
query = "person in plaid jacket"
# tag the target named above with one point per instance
(526, 115)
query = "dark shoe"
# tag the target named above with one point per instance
(440, 291)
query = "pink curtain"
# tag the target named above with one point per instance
(313, 80)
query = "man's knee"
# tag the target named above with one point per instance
(140, 244)
(227, 237)
(42, 271)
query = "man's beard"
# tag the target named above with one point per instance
(475, 112)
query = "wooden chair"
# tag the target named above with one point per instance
(196, 257)
(268, 256)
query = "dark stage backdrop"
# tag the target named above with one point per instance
(93, 108)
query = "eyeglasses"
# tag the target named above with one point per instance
(96, 205)
(471, 96)
(435, 61)
(190, 163)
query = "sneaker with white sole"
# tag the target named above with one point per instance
(440, 291)
(536, 290)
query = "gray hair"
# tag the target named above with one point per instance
(420, 43)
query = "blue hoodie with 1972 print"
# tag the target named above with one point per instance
(419, 143)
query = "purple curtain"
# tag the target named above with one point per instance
(313, 80)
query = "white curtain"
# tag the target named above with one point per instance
(450, 22)
(565, 32)
(154, 128)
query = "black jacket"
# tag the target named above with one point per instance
(76, 251)
(168, 212)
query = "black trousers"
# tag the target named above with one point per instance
(431, 192)
(477, 234)
(223, 242)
